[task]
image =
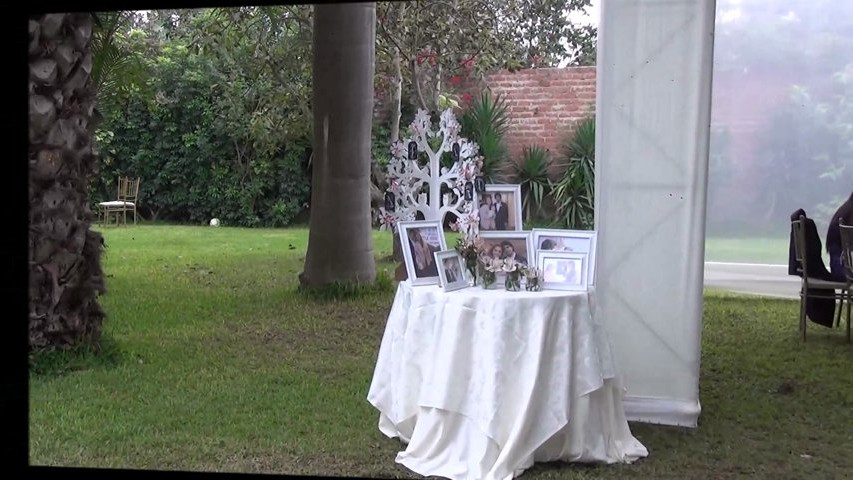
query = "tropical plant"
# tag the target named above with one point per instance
(65, 275)
(486, 121)
(574, 192)
(340, 245)
(117, 68)
(532, 174)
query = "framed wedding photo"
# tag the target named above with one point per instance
(570, 241)
(451, 270)
(517, 245)
(499, 207)
(563, 271)
(420, 241)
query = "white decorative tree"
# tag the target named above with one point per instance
(407, 179)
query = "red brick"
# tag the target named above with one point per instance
(544, 104)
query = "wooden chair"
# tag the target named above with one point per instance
(847, 261)
(128, 195)
(841, 290)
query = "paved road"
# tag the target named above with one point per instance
(765, 280)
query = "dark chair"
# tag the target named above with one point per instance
(847, 261)
(841, 290)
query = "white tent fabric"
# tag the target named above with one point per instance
(652, 124)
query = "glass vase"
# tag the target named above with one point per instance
(512, 282)
(472, 272)
(533, 285)
(488, 279)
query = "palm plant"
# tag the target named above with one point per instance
(532, 174)
(574, 192)
(114, 69)
(486, 122)
(65, 274)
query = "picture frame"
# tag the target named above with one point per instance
(521, 241)
(420, 241)
(509, 218)
(451, 270)
(563, 270)
(572, 241)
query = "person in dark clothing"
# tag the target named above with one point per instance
(819, 310)
(833, 239)
(501, 213)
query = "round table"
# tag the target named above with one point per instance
(481, 383)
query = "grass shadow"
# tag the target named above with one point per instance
(384, 284)
(105, 354)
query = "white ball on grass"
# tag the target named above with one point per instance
(214, 222)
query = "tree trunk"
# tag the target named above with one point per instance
(397, 97)
(64, 255)
(340, 242)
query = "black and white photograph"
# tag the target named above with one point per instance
(450, 270)
(568, 241)
(502, 245)
(420, 241)
(563, 271)
(499, 207)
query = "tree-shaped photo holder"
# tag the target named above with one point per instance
(415, 188)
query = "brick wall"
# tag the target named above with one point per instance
(544, 104)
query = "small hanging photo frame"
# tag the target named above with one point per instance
(390, 201)
(469, 191)
(480, 184)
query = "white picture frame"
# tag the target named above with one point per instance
(516, 239)
(451, 270)
(421, 268)
(511, 196)
(572, 241)
(563, 270)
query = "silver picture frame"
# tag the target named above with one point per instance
(511, 197)
(563, 270)
(419, 254)
(451, 270)
(572, 241)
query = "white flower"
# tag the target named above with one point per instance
(421, 123)
(509, 265)
(467, 149)
(399, 149)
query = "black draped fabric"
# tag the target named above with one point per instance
(818, 310)
(833, 234)
(833, 238)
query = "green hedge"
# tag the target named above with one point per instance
(195, 155)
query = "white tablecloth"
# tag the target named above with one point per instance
(482, 383)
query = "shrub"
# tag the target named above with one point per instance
(532, 174)
(574, 192)
(486, 121)
(198, 160)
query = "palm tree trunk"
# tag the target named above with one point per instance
(340, 242)
(64, 254)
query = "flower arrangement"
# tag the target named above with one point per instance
(469, 249)
(490, 268)
(513, 271)
(468, 222)
(532, 276)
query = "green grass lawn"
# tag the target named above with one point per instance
(213, 361)
(768, 250)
